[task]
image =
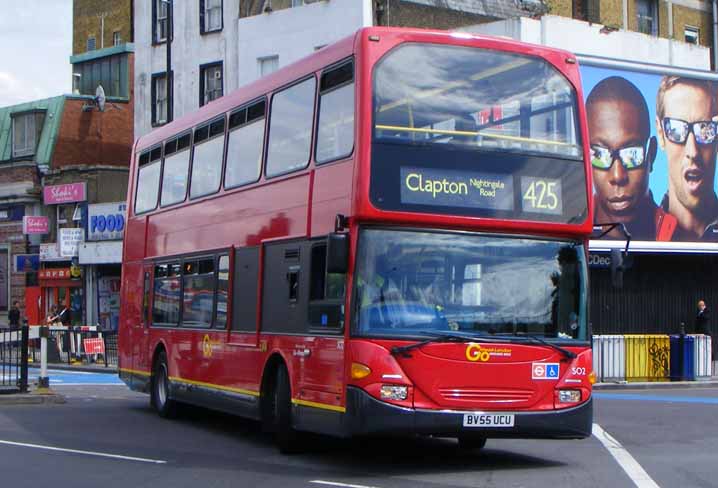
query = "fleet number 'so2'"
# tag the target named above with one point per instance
(578, 371)
(541, 195)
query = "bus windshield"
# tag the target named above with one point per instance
(474, 98)
(412, 283)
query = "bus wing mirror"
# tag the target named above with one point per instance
(337, 253)
(617, 268)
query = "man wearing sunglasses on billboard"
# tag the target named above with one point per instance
(687, 131)
(622, 154)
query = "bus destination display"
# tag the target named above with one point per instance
(490, 191)
(449, 188)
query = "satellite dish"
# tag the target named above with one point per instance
(100, 98)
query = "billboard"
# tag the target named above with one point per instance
(653, 140)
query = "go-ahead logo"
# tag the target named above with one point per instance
(474, 352)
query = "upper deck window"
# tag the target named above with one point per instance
(474, 98)
(207, 160)
(148, 180)
(335, 136)
(176, 168)
(290, 128)
(245, 145)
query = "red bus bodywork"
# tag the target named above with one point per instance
(233, 370)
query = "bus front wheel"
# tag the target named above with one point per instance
(285, 436)
(165, 406)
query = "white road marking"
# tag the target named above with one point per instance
(336, 483)
(88, 453)
(624, 459)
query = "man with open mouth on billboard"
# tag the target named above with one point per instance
(622, 155)
(685, 119)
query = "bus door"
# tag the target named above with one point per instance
(140, 329)
(321, 354)
(243, 334)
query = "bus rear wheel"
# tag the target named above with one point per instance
(164, 405)
(467, 443)
(285, 436)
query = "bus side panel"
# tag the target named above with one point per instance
(132, 351)
(275, 210)
(134, 243)
(331, 195)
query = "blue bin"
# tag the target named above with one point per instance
(682, 366)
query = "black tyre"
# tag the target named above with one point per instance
(472, 443)
(161, 401)
(285, 436)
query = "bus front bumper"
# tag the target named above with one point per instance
(366, 415)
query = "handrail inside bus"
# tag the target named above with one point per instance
(472, 133)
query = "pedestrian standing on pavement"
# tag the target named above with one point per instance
(13, 316)
(702, 317)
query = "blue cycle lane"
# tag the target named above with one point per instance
(60, 377)
(668, 398)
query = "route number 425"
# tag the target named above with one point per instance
(541, 196)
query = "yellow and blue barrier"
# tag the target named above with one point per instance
(647, 357)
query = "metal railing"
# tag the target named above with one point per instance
(75, 345)
(13, 359)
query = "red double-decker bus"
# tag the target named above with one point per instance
(386, 237)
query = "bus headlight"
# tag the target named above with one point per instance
(393, 392)
(569, 396)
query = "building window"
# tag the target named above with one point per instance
(91, 44)
(297, 3)
(160, 24)
(111, 72)
(210, 82)
(160, 102)
(647, 13)
(267, 65)
(116, 38)
(691, 34)
(26, 130)
(210, 15)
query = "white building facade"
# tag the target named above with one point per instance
(214, 51)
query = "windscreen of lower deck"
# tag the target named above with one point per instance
(477, 132)
(413, 283)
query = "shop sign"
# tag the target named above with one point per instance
(35, 225)
(26, 263)
(51, 252)
(70, 240)
(106, 221)
(67, 193)
(101, 252)
(55, 274)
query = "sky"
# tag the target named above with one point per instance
(35, 49)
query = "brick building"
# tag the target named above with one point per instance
(64, 160)
(97, 24)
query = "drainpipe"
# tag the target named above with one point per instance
(670, 32)
(625, 15)
(715, 35)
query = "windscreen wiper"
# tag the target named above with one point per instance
(440, 338)
(565, 352)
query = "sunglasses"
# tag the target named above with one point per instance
(631, 157)
(677, 130)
